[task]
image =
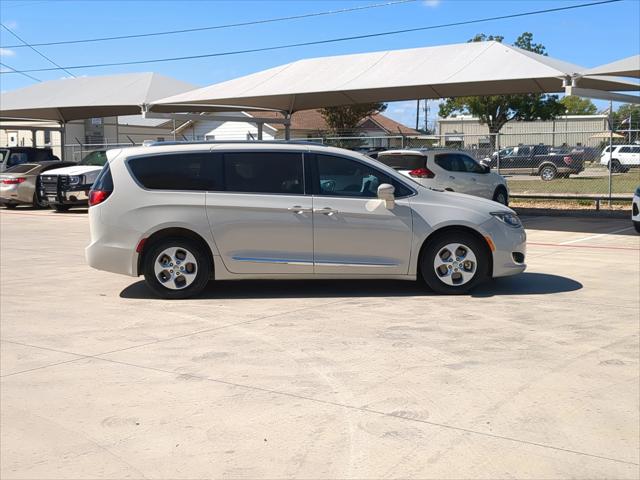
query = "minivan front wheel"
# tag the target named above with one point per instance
(454, 263)
(176, 268)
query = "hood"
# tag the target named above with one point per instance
(459, 200)
(73, 170)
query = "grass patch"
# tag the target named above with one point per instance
(621, 183)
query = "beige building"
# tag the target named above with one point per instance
(573, 130)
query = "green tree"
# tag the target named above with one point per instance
(344, 120)
(496, 110)
(626, 120)
(575, 105)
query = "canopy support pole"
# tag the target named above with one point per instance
(287, 127)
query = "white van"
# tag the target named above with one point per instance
(182, 214)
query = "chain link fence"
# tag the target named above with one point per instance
(551, 165)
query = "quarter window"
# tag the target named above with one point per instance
(264, 172)
(343, 177)
(189, 171)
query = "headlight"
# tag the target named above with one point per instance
(510, 219)
(75, 179)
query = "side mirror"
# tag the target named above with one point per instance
(386, 192)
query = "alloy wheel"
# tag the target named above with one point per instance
(175, 268)
(455, 264)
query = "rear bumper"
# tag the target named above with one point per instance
(111, 259)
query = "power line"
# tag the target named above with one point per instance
(319, 42)
(21, 73)
(35, 50)
(216, 27)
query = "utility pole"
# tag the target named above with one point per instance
(426, 116)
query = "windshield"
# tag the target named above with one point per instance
(3, 154)
(97, 158)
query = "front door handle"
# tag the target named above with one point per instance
(451, 177)
(299, 210)
(326, 211)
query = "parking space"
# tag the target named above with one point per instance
(534, 376)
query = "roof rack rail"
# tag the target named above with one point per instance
(154, 143)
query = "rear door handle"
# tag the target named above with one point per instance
(299, 210)
(325, 211)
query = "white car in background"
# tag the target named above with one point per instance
(622, 157)
(450, 170)
(635, 209)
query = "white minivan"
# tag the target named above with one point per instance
(450, 170)
(183, 214)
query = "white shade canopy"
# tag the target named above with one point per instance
(477, 68)
(87, 97)
(626, 67)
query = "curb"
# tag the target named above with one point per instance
(552, 212)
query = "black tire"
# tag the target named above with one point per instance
(39, 202)
(548, 173)
(637, 226)
(61, 208)
(203, 268)
(614, 166)
(501, 196)
(10, 206)
(437, 244)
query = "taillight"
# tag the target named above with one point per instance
(422, 173)
(97, 196)
(568, 160)
(13, 181)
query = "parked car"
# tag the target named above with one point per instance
(621, 158)
(69, 187)
(12, 156)
(635, 209)
(536, 160)
(19, 184)
(450, 170)
(183, 214)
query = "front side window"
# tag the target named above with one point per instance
(343, 177)
(188, 171)
(470, 165)
(264, 172)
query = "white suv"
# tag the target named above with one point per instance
(449, 170)
(182, 214)
(622, 157)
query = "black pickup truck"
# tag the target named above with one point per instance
(537, 160)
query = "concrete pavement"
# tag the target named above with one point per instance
(534, 376)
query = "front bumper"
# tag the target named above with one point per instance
(74, 196)
(510, 251)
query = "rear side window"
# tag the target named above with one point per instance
(104, 181)
(16, 158)
(264, 172)
(186, 171)
(403, 161)
(625, 150)
(451, 162)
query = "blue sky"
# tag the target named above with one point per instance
(588, 36)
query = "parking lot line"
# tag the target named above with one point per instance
(542, 244)
(592, 237)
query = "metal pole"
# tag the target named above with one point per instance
(498, 152)
(174, 129)
(260, 130)
(610, 147)
(417, 114)
(287, 127)
(63, 134)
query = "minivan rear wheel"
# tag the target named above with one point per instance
(454, 263)
(176, 268)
